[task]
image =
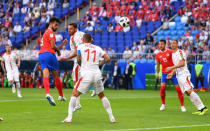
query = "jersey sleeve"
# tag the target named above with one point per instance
(3, 59)
(79, 50)
(102, 53)
(182, 55)
(51, 35)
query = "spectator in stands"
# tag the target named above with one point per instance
(10, 31)
(165, 24)
(136, 53)
(1, 42)
(142, 48)
(181, 11)
(126, 29)
(65, 4)
(64, 52)
(42, 4)
(110, 28)
(168, 11)
(128, 76)
(203, 37)
(180, 42)
(98, 28)
(58, 37)
(133, 48)
(2, 13)
(139, 22)
(7, 41)
(118, 28)
(149, 39)
(206, 54)
(105, 49)
(111, 52)
(117, 17)
(154, 43)
(26, 28)
(50, 12)
(89, 28)
(27, 18)
(127, 54)
(24, 9)
(17, 28)
(116, 76)
(51, 4)
(16, 10)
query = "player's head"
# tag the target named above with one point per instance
(87, 38)
(54, 22)
(162, 44)
(8, 48)
(72, 28)
(174, 44)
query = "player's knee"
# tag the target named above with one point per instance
(11, 82)
(189, 92)
(101, 95)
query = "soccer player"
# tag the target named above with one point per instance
(10, 58)
(88, 56)
(48, 60)
(75, 41)
(164, 57)
(183, 77)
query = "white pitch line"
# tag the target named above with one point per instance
(91, 98)
(158, 128)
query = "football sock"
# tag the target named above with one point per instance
(18, 86)
(46, 85)
(196, 100)
(180, 95)
(78, 101)
(59, 86)
(107, 105)
(163, 94)
(72, 105)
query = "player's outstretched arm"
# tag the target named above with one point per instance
(53, 45)
(71, 56)
(181, 64)
(106, 60)
(2, 66)
(63, 43)
(18, 62)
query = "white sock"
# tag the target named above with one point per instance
(72, 105)
(18, 86)
(78, 101)
(196, 101)
(107, 105)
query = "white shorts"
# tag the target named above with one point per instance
(184, 82)
(13, 75)
(76, 72)
(90, 79)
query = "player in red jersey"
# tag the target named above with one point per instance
(49, 62)
(164, 57)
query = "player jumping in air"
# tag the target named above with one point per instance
(10, 58)
(48, 60)
(88, 56)
(164, 57)
(75, 41)
(183, 77)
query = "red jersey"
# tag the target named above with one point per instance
(165, 58)
(45, 45)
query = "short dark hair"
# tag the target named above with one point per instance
(175, 40)
(162, 40)
(54, 19)
(73, 24)
(87, 37)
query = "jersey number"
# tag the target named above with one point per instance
(88, 54)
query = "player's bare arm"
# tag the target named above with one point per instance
(158, 70)
(52, 42)
(63, 43)
(71, 56)
(18, 62)
(170, 75)
(79, 59)
(106, 60)
(181, 64)
(2, 66)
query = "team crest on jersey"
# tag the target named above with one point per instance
(167, 54)
(51, 35)
(161, 56)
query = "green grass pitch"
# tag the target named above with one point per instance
(133, 110)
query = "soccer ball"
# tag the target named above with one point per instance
(124, 22)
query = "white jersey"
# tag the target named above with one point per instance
(176, 57)
(75, 41)
(10, 61)
(91, 55)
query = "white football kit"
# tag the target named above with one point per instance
(75, 41)
(182, 74)
(90, 73)
(11, 66)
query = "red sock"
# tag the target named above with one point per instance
(163, 94)
(59, 86)
(180, 95)
(46, 85)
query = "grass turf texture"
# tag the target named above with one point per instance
(132, 109)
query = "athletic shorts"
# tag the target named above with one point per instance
(165, 80)
(87, 80)
(76, 72)
(49, 61)
(184, 82)
(13, 75)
